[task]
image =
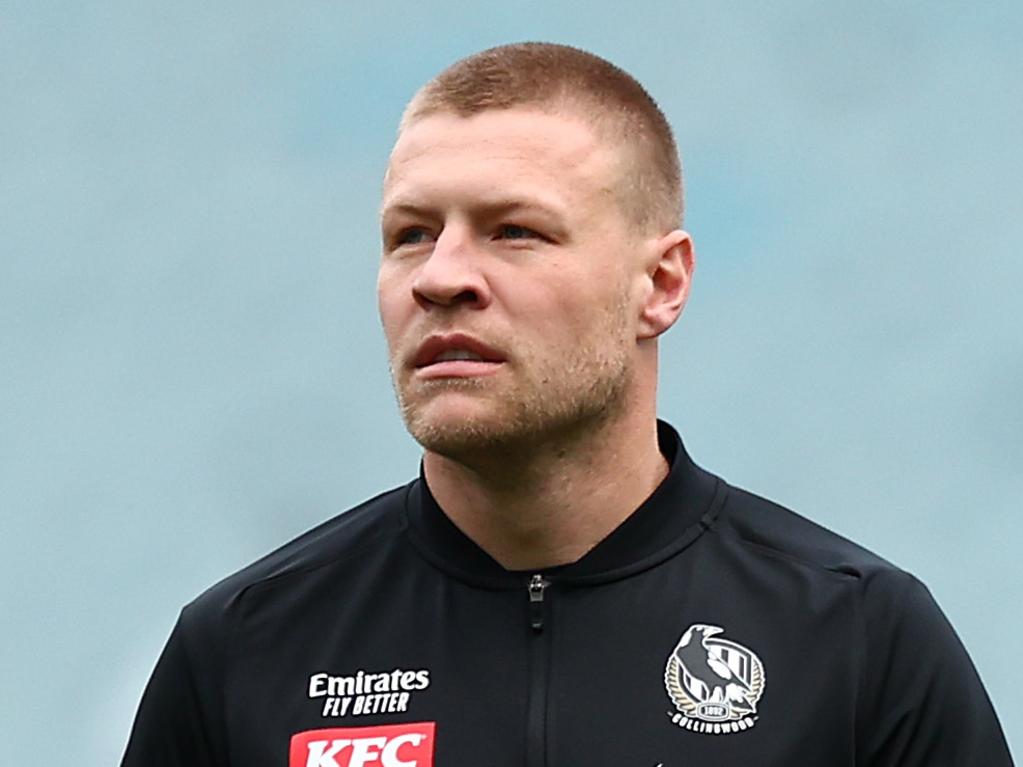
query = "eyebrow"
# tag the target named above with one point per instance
(491, 207)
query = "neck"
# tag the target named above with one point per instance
(549, 505)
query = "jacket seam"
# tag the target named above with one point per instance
(785, 556)
(350, 551)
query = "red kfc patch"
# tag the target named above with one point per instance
(393, 745)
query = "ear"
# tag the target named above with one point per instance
(669, 273)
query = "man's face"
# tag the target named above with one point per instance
(505, 282)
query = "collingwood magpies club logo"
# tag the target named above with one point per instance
(715, 683)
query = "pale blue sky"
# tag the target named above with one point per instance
(193, 366)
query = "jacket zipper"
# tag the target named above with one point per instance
(536, 712)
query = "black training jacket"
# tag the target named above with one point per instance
(713, 628)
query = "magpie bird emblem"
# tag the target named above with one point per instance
(715, 683)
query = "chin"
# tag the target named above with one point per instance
(459, 432)
(465, 434)
(469, 418)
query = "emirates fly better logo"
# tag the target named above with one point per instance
(393, 745)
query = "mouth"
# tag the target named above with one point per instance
(456, 355)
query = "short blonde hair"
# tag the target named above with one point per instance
(560, 78)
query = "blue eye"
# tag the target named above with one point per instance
(516, 232)
(411, 236)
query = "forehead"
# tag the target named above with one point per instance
(516, 152)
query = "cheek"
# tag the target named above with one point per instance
(558, 304)
(393, 304)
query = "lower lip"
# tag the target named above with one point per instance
(458, 369)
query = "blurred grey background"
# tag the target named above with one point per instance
(193, 370)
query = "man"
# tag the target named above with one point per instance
(562, 585)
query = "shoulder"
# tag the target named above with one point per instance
(918, 694)
(763, 526)
(354, 533)
(791, 552)
(787, 554)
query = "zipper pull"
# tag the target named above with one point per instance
(537, 584)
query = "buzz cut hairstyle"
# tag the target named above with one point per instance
(560, 79)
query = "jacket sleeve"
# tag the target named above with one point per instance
(922, 703)
(172, 726)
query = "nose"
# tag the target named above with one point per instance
(451, 275)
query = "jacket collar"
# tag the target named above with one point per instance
(675, 514)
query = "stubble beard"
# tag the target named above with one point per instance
(552, 403)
